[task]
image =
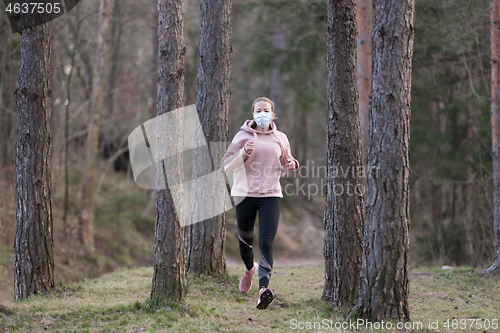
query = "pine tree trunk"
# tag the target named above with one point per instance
(384, 282)
(154, 64)
(495, 114)
(206, 240)
(468, 232)
(276, 77)
(6, 116)
(364, 71)
(34, 244)
(344, 211)
(86, 220)
(495, 127)
(169, 280)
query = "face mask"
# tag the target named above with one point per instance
(262, 118)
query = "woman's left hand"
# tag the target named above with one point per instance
(290, 164)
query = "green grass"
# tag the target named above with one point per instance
(119, 302)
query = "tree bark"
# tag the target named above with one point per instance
(276, 77)
(34, 244)
(86, 220)
(495, 267)
(468, 232)
(344, 211)
(384, 282)
(66, 125)
(7, 120)
(206, 240)
(301, 123)
(495, 126)
(364, 72)
(154, 65)
(114, 60)
(169, 280)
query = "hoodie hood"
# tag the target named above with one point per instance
(251, 127)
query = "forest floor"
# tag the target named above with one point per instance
(124, 229)
(108, 289)
(119, 302)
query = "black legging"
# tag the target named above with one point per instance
(269, 215)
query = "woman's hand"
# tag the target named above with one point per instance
(289, 164)
(248, 147)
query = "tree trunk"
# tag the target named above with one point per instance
(300, 124)
(344, 211)
(206, 240)
(495, 126)
(276, 77)
(364, 72)
(468, 232)
(154, 66)
(384, 282)
(34, 244)
(169, 280)
(7, 122)
(495, 114)
(66, 125)
(114, 60)
(86, 220)
(495, 267)
(83, 69)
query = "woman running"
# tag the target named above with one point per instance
(259, 155)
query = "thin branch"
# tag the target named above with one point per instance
(9, 110)
(470, 78)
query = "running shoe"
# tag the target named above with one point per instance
(246, 280)
(265, 298)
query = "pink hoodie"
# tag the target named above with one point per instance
(258, 174)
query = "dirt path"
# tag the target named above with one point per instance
(281, 262)
(7, 279)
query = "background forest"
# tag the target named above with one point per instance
(279, 51)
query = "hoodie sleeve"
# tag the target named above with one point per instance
(235, 155)
(288, 154)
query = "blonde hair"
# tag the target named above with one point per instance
(265, 99)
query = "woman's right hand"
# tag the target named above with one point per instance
(248, 147)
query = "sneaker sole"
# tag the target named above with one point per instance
(265, 299)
